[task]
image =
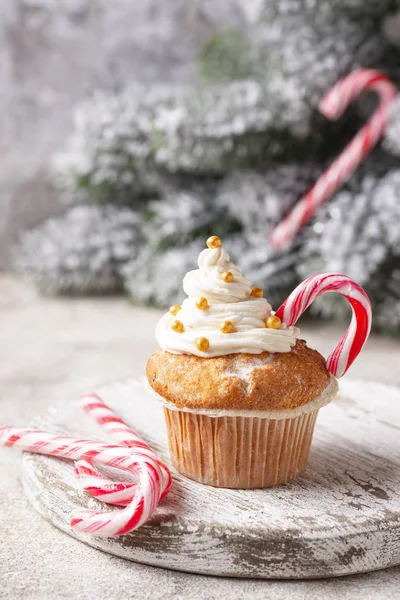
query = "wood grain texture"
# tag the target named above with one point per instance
(342, 516)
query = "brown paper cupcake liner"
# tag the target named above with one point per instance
(241, 452)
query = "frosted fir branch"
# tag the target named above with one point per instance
(123, 145)
(156, 279)
(300, 48)
(174, 230)
(80, 252)
(392, 133)
(311, 44)
(273, 271)
(184, 214)
(387, 316)
(259, 200)
(107, 157)
(384, 289)
(354, 231)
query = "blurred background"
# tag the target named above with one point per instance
(130, 131)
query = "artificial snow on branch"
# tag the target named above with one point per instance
(80, 252)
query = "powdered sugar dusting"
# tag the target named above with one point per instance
(243, 371)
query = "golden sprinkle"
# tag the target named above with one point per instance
(226, 327)
(202, 303)
(175, 309)
(177, 326)
(214, 242)
(256, 292)
(273, 322)
(202, 344)
(227, 277)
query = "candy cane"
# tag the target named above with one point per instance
(356, 335)
(91, 480)
(101, 488)
(153, 479)
(332, 106)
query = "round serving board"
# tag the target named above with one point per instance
(342, 516)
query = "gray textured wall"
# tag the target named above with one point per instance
(54, 53)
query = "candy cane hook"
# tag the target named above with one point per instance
(332, 106)
(93, 482)
(357, 333)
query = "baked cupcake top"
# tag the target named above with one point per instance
(223, 313)
(280, 383)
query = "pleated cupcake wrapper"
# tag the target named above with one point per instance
(241, 452)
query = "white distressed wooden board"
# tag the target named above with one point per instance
(342, 516)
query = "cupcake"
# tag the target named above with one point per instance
(241, 391)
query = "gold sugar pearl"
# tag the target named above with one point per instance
(202, 303)
(273, 322)
(256, 292)
(226, 327)
(227, 277)
(202, 344)
(214, 242)
(175, 308)
(177, 326)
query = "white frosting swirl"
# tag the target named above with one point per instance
(206, 281)
(227, 302)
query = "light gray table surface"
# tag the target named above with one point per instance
(52, 349)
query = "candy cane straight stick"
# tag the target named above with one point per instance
(332, 106)
(356, 335)
(152, 476)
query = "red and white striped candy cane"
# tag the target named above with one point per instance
(93, 482)
(153, 479)
(357, 333)
(332, 106)
(101, 488)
